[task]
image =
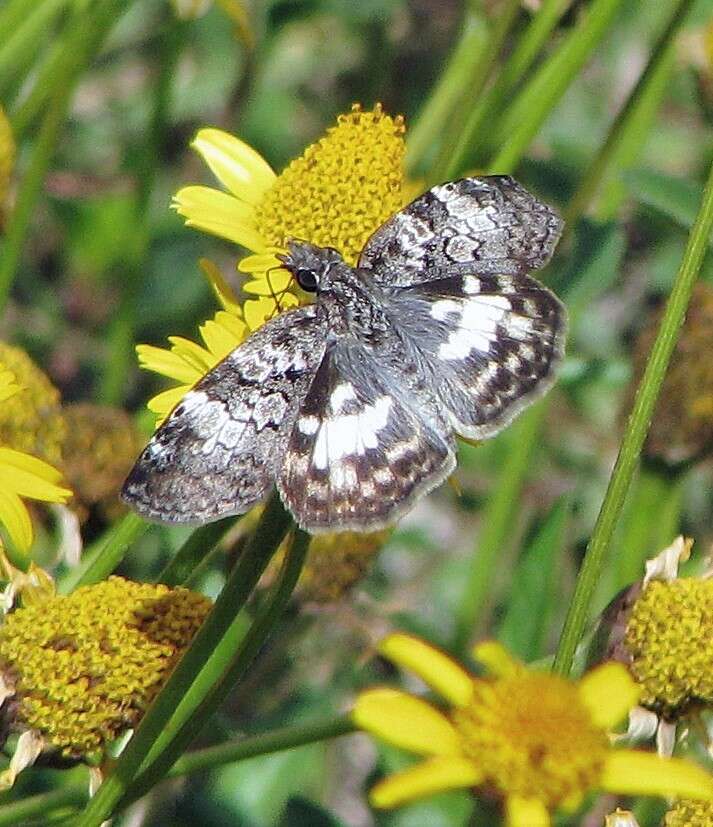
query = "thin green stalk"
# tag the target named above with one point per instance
(635, 432)
(494, 99)
(231, 752)
(190, 717)
(643, 100)
(88, 32)
(452, 85)
(24, 115)
(121, 337)
(459, 146)
(268, 535)
(101, 561)
(25, 38)
(199, 544)
(497, 522)
(541, 94)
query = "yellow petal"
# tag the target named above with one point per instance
(16, 519)
(496, 659)
(259, 311)
(235, 326)
(633, 772)
(406, 722)
(259, 263)
(167, 363)
(31, 477)
(276, 281)
(201, 359)
(526, 812)
(426, 778)
(608, 692)
(163, 403)
(220, 286)
(432, 665)
(220, 214)
(235, 164)
(220, 341)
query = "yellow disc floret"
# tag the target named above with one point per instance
(669, 637)
(690, 814)
(31, 420)
(342, 188)
(532, 735)
(84, 667)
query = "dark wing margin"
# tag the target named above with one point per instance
(480, 225)
(218, 452)
(359, 456)
(491, 345)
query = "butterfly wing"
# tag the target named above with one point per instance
(487, 345)
(360, 452)
(218, 451)
(475, 225)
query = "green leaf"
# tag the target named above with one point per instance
(534, 588)
(677, 198)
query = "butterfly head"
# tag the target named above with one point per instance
(309, 264)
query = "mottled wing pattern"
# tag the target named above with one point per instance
(218, 452)
(359, 454)
(489, 344)
(475, 225)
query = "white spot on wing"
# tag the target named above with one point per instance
(477, 327)
(341, 394)
(308, 425)
(343, 436)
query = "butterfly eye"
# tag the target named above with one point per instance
(307, 279)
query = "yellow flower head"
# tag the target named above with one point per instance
(79, 670)
(538, 740)
(336, 194)
(682, 426)
(24, 416)
(690, 814)
(99, 450)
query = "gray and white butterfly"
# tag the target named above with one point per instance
(350, 405)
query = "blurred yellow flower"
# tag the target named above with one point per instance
(336, 194)
(22, 475)
(689, 814)
(536, 739)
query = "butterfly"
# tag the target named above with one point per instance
(350, 405)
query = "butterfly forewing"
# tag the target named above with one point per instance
(359, 454)
(218, 451)
(479, 225)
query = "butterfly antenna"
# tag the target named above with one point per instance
(276, 296)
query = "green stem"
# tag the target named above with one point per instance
(497, 521)
(452, 85)
(525, 116)
(635, 432)
(272, 528)
(643, 100)
(453, 153)
(231, 752)
(200, 543)
(191, 718)
(101, 561)
(121, 337)
(87, 35)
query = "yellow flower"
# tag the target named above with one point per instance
(22, 475)
(335, 195)
(538, 740)
(79, 670)
(690, 814)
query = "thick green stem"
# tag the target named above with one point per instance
(273, 526)
(643, 100)
(191, 717)
(497, 524)
(200, 543)
(635, 432)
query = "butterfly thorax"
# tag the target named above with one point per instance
(352, 303)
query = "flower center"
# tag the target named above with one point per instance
(670, 639)
(342, 188)
(532, 737)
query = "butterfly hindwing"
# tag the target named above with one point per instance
(359, 455)
(218, 451)
(489, 344)
(477, 225)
